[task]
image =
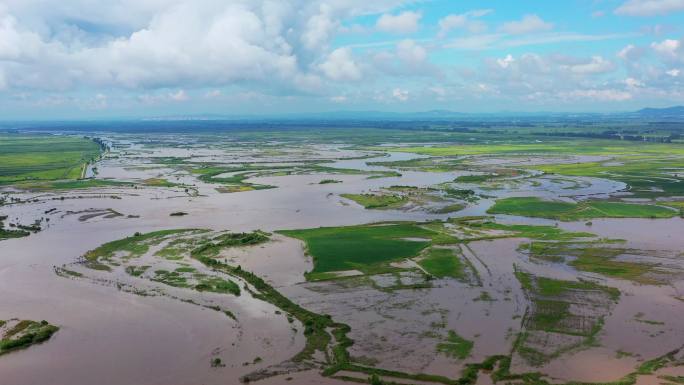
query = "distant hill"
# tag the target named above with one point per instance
(668, 112)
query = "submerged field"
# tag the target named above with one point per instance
(334, 256)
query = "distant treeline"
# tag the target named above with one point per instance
(615, 135)
(100, 142)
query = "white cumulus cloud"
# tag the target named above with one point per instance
(528, 24)
(340, 65)
(596, 65)
(669, 49)
(649, 7)
(403, 23)
(467, 20)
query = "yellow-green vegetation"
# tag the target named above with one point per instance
(455, 346)
(212, 246)
(159, 182)
(44, 157)
(69, 184)
(233, 179)
(378, 201)
(126, 248)
(551, 147)
(186, 277)
(572, 308)
(598, 257)
(433, 200)
(469, 229)
(229, 184)
(432, 164)
(547, 233)
(448, 209)
(16, 334)
(442, 263)
(136, 271)
(474, 178)
(568, 211)
(649, 169)
(180, 243)
(171, 278)
(218, 285)
(367, 248)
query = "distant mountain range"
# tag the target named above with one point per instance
(669, 112)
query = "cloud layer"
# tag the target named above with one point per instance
(349, 52)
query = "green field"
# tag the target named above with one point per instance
(44, 157)
(378, 201)
(50, 185)
(442, 263)
(550, 147)
(361, 247)
(567, 211)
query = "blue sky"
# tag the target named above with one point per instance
(135, 58)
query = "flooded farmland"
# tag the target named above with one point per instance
(201, 262)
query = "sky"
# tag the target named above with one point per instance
(73, 59)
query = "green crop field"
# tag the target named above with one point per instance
(443, 263)
(567, 211)
(360, 247)
(551, 147)
(43, 157)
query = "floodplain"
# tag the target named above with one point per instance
(340, 255)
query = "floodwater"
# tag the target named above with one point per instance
(112, 336)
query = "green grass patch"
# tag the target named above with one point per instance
(69, 184)
(567, 211)
(595, 257)
(448, 209)
(129, 247)
(218, 285)
(378, 201)
(159, 182)
(442, 263)
(17, 335)
(171, 278)
(455, 346)
(212, 247)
